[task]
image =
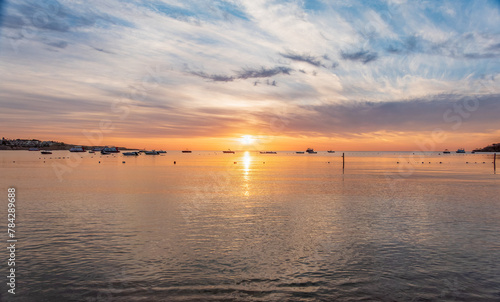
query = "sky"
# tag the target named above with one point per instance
(284, 75)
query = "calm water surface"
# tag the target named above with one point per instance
(252, 227)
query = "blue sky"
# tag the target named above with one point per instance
(349, 71)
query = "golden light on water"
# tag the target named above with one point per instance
(246, 169)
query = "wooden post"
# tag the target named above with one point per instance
(495, 163)
(343, 161)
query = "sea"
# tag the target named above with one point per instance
(209, 226)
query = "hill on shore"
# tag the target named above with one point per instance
(490, 148)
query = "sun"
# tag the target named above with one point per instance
(247, 139)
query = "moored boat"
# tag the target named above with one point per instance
(46, 152)
(77, 149)
(330, 151)
(446, 151)
(300, 152)
(268, 152)
(110, 150)
(161, 151)
(132, 153)
(311, 151)
(228, 151)
(33, 149)
(91, 151)
(152, 152)
(186, 151)
(461, 150)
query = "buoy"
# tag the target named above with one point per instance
(99, 161)
(175, 162)
(397, 162)
(263, 162)
(440, 162)
(234, 162)
(123, 162)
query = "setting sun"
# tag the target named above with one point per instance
(247, 139)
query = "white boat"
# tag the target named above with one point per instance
(311, 151)
(152, 152)
(91, 151)
(110, 150)
(77, 149)
(133, 153)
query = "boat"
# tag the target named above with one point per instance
(311, 151)
(33, 149)
(133, 153)
(268, 152)
(300, 152)
(77, 149)
(461, 150)
(330, 151)
(91, 151)
(446, 151)
(46, 152)
(228, 151)
(186, 151)
(97, 149)
(161, 151)
(152, 152)
(110, 150)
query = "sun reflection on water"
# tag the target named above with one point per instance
(246, 169)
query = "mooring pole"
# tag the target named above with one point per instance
(343, 161)
(495, 163)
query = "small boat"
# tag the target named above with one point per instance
(268, 152)
(461, 150)
(46, 152)
(330, 151)
(97, 149)
(133, 153)
(300, 152)
(228, 151)
(152, 152)
(161, 151)
(91, 151)
(186, 151)
(311, 151)
(110, 150)
(33, 149)
(446, 151)
(77, 149)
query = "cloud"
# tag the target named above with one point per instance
(307, 58)
(245, 73)
(363, 56)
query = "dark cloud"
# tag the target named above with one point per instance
(425, 114)
(263, 72)
(363, 56)
(54, 16)
(213, 77)
(307, 58)
(245, 73)
(59, 44)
